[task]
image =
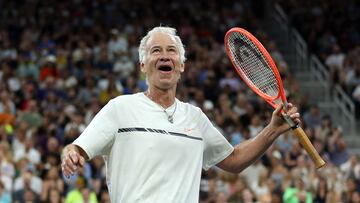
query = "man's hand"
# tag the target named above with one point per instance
(278, 122)
(71, 160)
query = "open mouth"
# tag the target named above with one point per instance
(165, 68)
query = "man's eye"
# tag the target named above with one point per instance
(155, 51)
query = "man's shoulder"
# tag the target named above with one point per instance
(186, 104)
(190, 107)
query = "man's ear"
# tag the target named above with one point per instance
(142, 67)
(182, 67)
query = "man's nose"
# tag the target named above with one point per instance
(164, 56)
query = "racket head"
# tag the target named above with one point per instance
(254, 65)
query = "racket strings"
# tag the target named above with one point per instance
(252, 64)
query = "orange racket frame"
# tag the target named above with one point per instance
(304, 140)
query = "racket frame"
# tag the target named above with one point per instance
(299, 132)
(268, 99)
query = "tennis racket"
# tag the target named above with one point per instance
(257, 69)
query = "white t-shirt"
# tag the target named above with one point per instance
(149, 159)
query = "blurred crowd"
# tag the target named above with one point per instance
(332, 30)
(62, 61)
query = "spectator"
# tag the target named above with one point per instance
(7, 169)
(7, 109)
(239, 186)
(338, 49)
(255, 125)
(27, 184)
(292, 155)
(28, 151)
(351, 168)
(285, 142)
(105, 197)
(323, 131)
(31, 115)
(117, 44)
(261, 188)
(231, 81)
(352, 189)
(51, 181)
(81, 53)
(277, 172)
(312, 118)
(27, 68)
(247, 196)
(26, 195)
(49, 68)
(123, 66)
(111, 89)
(355, 197)
(5, 196)
(353, 76)
(335, 61)
(54, 196)
(321, 193)
(297, 193)
(337, 148)
(81, 193)
(253, 172)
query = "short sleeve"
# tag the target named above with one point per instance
(100, 133)
(216, 147)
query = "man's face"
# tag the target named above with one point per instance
(162, 64)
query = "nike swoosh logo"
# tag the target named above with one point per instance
(187, 130)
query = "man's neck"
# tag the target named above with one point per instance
(164, 98)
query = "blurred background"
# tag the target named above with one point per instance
(61, 61)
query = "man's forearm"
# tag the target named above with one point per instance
(249, 151)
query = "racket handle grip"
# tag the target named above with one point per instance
(310, 149)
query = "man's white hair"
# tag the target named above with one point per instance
(168, 30)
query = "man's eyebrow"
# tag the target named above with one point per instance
(155, 46)
(172, 46)
(158, 46)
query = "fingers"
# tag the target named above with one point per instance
(67, 171)
(71, 163)
(280, 119)
(74, 157)
(278, 110)
(290, 109)
(82, 161)
(292, 112)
